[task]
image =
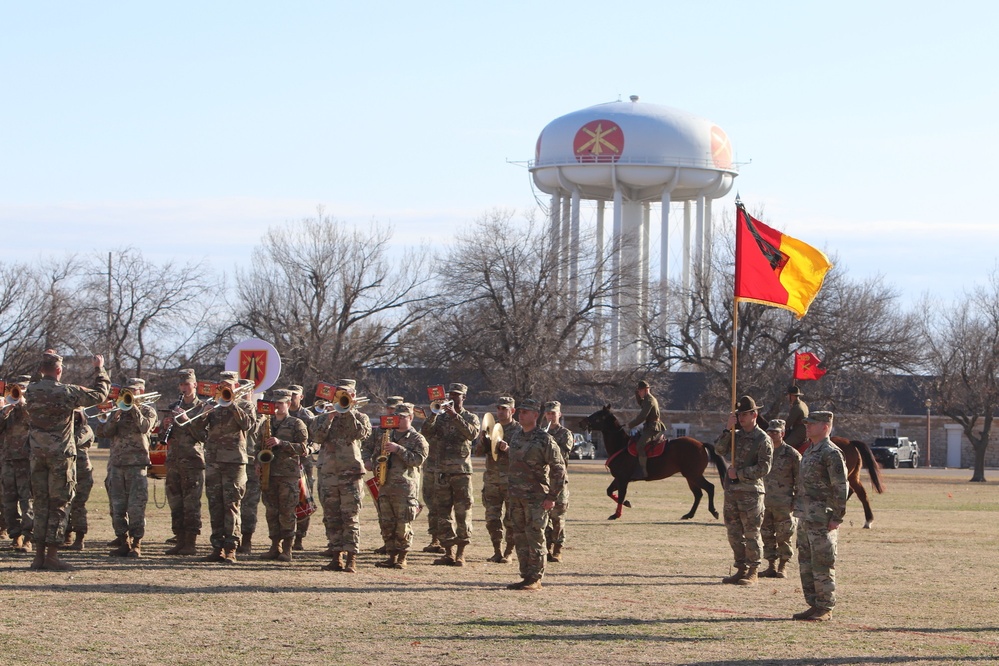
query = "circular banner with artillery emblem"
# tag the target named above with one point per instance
(257, 361)
(598, 141)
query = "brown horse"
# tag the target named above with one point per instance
(683, 454)
(857, 455)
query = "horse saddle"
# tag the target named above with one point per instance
(653, 449)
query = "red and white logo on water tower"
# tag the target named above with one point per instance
(598, 141)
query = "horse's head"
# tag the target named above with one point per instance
(600, 420)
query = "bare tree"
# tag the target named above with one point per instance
(964, 360)
(331, 300)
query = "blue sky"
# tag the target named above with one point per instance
(186, 129)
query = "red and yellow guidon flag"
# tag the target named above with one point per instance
(774, 269)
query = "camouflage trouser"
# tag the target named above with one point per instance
(817, 563)
(128, 493)
(251, 500)
(778, 532)
(302, 524)
(743, 519)
(428, 485)
(453, 500)
(529, 521)
(17, 508)
(341, 500)
(184, 486)
(53, 482)
(84, 484)
(395, 519)
(555, 532)
(280, 501)
(497, 511)
(225, 484)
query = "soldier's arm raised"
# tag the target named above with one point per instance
(468, 425)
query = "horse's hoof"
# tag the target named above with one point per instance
(715, 514)
(868, 524)
(613, 516)
(627, 503)
(687, 516)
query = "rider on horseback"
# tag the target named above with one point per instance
(647, 422)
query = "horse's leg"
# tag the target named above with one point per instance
(610, 490)
(709, 488)
(696, 489)
(621, 503)
(858, 488)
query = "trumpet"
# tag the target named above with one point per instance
(344, 402)
(321, 407)
(438, 406)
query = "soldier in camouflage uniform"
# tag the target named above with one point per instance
(744, 489)
(555, 532)
(53, 452)
(308, 462)
(398, 498)
(454, 430)
(15, 458)
(225, 473)
(128, 486)
(371, 449)
(778, 503)
(185, 478)
(495, 483)
(646, 426)
(84, 482)
(289, 442)
(250, 504)
(797, 413)
(340, 470)
(820, 506)
(428, 486)
(537, 477)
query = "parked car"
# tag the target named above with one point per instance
(582, 448)
(894, 451)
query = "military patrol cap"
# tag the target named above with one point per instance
(819, 417)
(136, 382)
(296, 389)
(460, 389)
(281, 395)
(404, 409)
(777, 425)
(50, 356)
(506, 401)
(531, 404)
(23, 380)
(394, 401)
(794, 390)
(348, 384)
(643, 384)
(187, 375)
(229, 375)
(746, 404)
(553, 406)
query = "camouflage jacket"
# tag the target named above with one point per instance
(452, 436)
(187, 442)
(254, 436)
(307, 418)
(796, 416)
(783, 477)
(497, 471)
(339, 437)
(51, 413)
(84, 440)
(562, 437)
(227, 428)
(536, 468)
(294, 436)
(822, 486)
(14, 434)
(129, 435)
(753, 455)
(403, 478)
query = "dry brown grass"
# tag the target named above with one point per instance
(919, 588)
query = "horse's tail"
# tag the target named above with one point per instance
(870, 464)
(717, 460)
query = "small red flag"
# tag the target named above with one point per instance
(806, 366)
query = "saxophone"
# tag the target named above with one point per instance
(265, 456)
(381, 471)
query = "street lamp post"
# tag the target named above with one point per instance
(929, 460)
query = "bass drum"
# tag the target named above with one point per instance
(157, 462)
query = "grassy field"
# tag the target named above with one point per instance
(919, 588)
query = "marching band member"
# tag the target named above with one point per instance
(289, 442)
(128, 485)
(495, 481)
(185, 478)
(84, 482)
(555, 532)
(308, 463)
(16, 471)
(249, 506)
(53, 449)
(372, 448)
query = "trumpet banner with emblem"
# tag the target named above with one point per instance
(253, 365)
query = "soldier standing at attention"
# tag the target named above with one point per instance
(249, 506)
(340, 469)
(647, 423)
(537, 476)
(185, 479)
(308, 464)
(53, 452)
(555, 532)
(398, 502)
(454, 429)
(84, 482)
(797, 413)
(289, 442)
(128, 485)
(428, 488)
(371, 449)
(15, 454)
(778, 503)
(495, 483)
(743, 511)
(819, 505)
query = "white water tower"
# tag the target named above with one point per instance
(634, 154)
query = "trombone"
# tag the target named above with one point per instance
(126, 402)
(343, 402)
(225, 397)
(13, 395)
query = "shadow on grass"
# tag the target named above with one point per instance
(612, 622)
(934, 630)
(562, 638)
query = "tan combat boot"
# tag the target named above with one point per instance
(388, 563)
(329, 552)
(459, 556)
(39, 562)
(336, 564)
(497, 555)
(245, 544)
(805, 614)
(433, 547)
(556, 555)
(124, 548)
(400, 560)
(52, 561)
(286, 546)
(531, 584)
(115, 543)
(214, 556)
(507, 553)
(781, 573)
(136, 550)
(821, 615)
(298, 543)
(274, 552)
(18, 544)
(229, 555)
(737, 576)
(448, 559)
(190, 546)
(770, 572)
(350, 566)
(518, 585)
(383, 550)
(179, 545)
(68, 539)
(78, 542)
(750, 578)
